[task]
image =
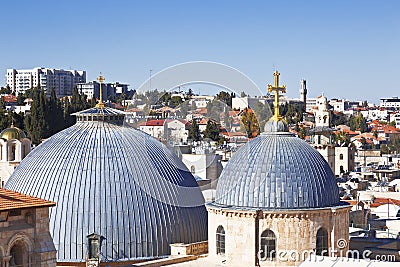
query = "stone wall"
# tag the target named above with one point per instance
(196, 249)
(295, 232)
(28, 228)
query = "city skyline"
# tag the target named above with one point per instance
(343, 49)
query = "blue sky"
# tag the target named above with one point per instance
(346, 49)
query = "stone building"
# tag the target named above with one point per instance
(276, 195)
(24, 231)
(14, 146)
(340, 158)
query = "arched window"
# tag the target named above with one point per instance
(341, 156)
(220, 240)
(268, 245)
(11, 153)
(19, 254)
(192, 169)
(322, 242)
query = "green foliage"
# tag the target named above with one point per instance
(194, 131)
(225, 97)
(302, 133)
(211, 131)
(215, 108)
(262, 113)
(338, 119)
(292, 113)
(36, 123)
(358, 123)
(49, 115)
(243, 94)
(375, 133)
(8, 118)
(394, 145)
(384, 149)
(249, 123)
(342, 139)
(5, 90)
(175, 101)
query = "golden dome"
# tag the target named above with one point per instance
(12, 133)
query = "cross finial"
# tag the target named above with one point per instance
(276, 89)
(101, 80)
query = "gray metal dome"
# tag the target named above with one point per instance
(277, 170)
(114, 181)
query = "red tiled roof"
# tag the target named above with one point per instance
(10, 98)
(154, 123)
(381, 200)
(10, 200)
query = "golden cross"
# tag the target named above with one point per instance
(276, 88)
(101, 80)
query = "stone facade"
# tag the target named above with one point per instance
(25, 238)
(295, 232)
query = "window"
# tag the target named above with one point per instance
(19, 254)
(220, 240)
(322, 242)
(15, 212)
(341, 156)
(268, 245)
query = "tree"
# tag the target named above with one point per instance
(342, 139)
(175, 101)
(249, 123)
(225, 97)
(194, 131)
(20, 99)
(5, 90)
(190, 92)
(243, 94)
(36, 123)
(262, 113)
(394, 145)
(302, 133)
(358, 123)
(375, 133)
(211, 131)
(338, 118)
(54, 113)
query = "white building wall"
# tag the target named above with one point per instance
(155, 131)
(344, 160)
(61, 80)
(393, 102)
(240, 103)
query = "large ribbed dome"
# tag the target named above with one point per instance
(114, 181)
(277, 170)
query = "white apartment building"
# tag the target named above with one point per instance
(92, 89)
(375, 114)
(240, 103)
(396, 118)
(393, 102)
(62, 81)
